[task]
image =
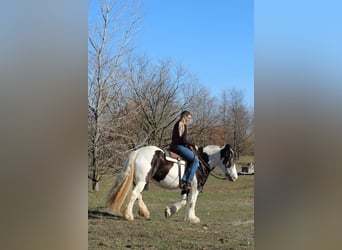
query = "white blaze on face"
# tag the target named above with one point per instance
(233, 172)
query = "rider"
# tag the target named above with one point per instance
(184, 148)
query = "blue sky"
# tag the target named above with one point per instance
(212, 39)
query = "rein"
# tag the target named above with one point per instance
(218, 177)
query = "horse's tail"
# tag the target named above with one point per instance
(122, 185)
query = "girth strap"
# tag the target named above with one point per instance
(179, 172)
(174, 157)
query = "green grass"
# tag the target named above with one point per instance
(226, 210)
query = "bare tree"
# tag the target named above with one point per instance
(112, 29)
(236, 121)
(158, 93)
(204, 110)
(248, 144)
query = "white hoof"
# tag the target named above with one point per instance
(144, 213)
(167, 212)
(193, 220)
(128, 216)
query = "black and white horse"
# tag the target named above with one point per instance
(151, 163)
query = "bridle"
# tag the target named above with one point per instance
(228, 159)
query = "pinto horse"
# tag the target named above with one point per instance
(151, 163)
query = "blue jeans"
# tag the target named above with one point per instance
(193, 161)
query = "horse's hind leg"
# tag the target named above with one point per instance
(143, 211)
(135, 194)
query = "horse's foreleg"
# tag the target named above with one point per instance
(135, 193)
(190, 209)
(171, 210)
(143, 211)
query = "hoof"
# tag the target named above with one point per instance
(167, 212)
(127, 216)
(144, 213)
(194, 220)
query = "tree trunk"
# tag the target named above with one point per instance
(95, 176)
(96, 185)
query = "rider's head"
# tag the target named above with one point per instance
(186, 116)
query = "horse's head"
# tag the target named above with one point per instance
(227, 163)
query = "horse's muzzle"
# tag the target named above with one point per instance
(231, 178)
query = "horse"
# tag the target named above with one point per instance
(152, 163)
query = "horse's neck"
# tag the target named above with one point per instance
(213, 153)
(203, 173)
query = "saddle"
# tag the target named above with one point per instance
(173, 157)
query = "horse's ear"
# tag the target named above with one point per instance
(227, 147)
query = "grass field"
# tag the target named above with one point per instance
(226, 210)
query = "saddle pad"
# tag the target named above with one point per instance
(174, 160)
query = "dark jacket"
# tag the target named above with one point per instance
(178, 138)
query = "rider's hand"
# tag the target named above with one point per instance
(196, 147)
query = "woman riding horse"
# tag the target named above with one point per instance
(182, 146)
(149, 163)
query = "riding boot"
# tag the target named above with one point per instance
(184, 191)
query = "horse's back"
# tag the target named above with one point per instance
(146, 153)
(148, 149)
